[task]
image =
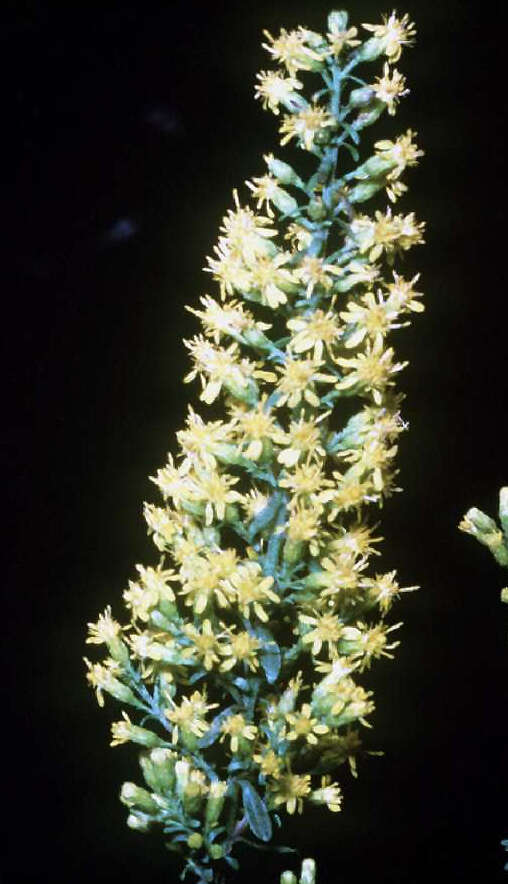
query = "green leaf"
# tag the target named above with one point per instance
(270, 661)
(255, 810)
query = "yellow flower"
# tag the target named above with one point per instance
(299, 237)
(306, 481)
(290, 789)
(247, 233)
(305, 125)
(338, 39)
(313, 271)
(327, 630)
(205, 644)
(254, 502)
(189, 715)
(304, 725)
(236, 728)
(253, 426)
(329, 794)
(373, 318)
(216, 367)
(270, 764)
(228, 269)
(275, 89)
(173, 481)
(351, 492)
(152, 588)
(297, 380)
(242, 647)
(390, 91)
(250, 587)
(302, 438)
(357, 540)
(271, 279)
(233, 319)
(402, 153)
(213, 490)
(402, 296)
(295, 49)
(368, 643)
(303, 526)
(395, 33)
(202, 577)
(371, 371)
(105, 630)
(383, 589)
(314, 331)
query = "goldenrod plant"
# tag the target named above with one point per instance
(488, 532)
(249, 640)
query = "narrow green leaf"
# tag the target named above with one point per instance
(255, 810)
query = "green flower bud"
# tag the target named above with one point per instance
(365, 191)
(370, 115)
(283, 172)
(248, 392)
(292, 551)
(371, 49)
(216, 851)
(192, 798)
(215, 802)
(375, 166)
(308, 875)
(288, 878)
(361, 97)
(182, 771)
(140, 822)
(337, 20)
(158, 619)
(135, 796)
(284, 202)
(322, 136)
(316, 210)
(504, 594)
(158, 766)
(503, 509)
(119, 651)
(195, 841)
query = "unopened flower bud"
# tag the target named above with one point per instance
(503, 509)
(158, 766)
(215, 802)
(283, 172)
(316, 209)
(370, 115)
(140, 822)
(135, 796)
(195, 841)
(182, 771)
(288, 878)
(371, 49)
(216, 851)
(337, 20)
(364, 191)
(308, 875)
(504, 594)
(361, 97)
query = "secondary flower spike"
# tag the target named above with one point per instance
(246, 655)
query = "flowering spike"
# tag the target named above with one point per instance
(247, 642)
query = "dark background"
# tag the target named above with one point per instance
(130, 124)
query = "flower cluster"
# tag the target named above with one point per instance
(247, 643)
(488, 532)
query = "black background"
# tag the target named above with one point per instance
(145, 112)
